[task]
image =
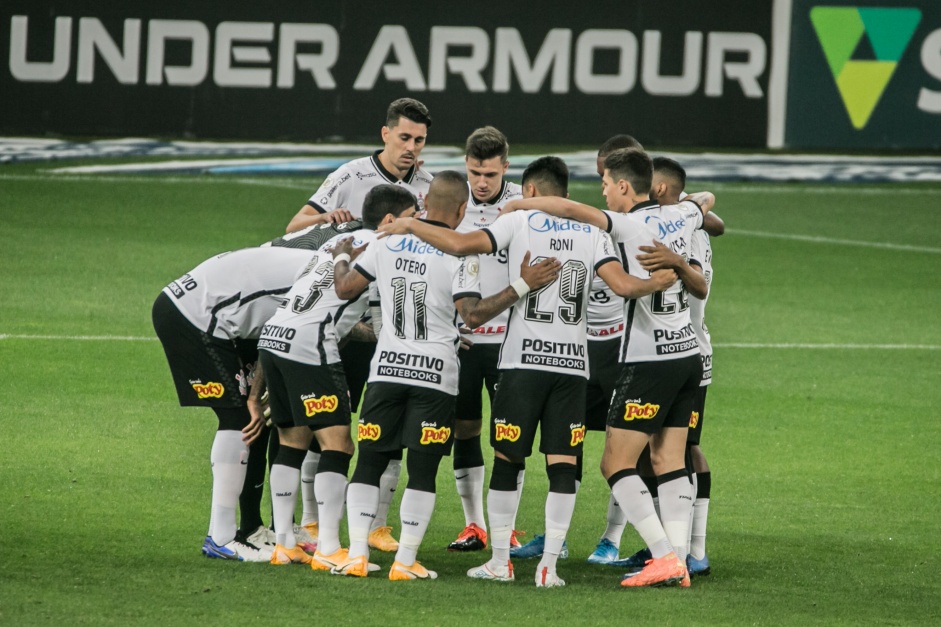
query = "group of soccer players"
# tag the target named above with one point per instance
(432, 289)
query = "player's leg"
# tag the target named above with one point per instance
(380, 533)
(331, 485)
(697, 561)
(310, 514)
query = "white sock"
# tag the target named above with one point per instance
(676, 501)
(501, 508)
(415, 512)
(283, 481)
(331, 489)
(387, 485)
(559, 509)
(308, 494)
(697, 543)
(229, 459)
(617, 520)
(361, 503)
(520, 479)
(634, 499)
(470, 487)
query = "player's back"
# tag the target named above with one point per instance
(657, 326)
(312, 319)
(418, 285)
(547, 329)
(233, 294)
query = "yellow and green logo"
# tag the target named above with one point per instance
(844, 33)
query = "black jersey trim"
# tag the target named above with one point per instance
(221, 305)
(368, 276)
(489, 201)
(605, 261)
(610, 226)
(643, 206)
(319, 209)
(694, 261)
(461, 295)
(321, 334)
(628, 322)
(493, 241)
(388, 175)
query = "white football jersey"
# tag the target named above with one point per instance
(309, 325)
(232, 295)
(418, 285)
(605, 311)
(701, 250)
(347, 187)
(547, 329)
(657, 327)
(494, 276)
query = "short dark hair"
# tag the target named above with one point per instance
(550, 175)
(410, 109)
(634, 166)
(447, 192)
(486, 143)
(672, 169)
(618, 142)
(383, 199)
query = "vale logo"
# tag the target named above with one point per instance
(863, 46)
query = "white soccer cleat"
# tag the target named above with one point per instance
(493, 572)
(262, 536)
(249, 552)
(546, 578)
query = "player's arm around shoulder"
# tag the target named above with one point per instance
(444, 239)
(560, 208)
(477, 311)
(347, 283)
(628, 286)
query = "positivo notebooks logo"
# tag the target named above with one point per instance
(863, 46)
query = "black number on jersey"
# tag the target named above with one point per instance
(323, 280)
(600, 296)
(572, 279)
(398, 308)
(660, 303)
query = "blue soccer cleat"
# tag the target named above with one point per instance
(697, 567)
(605, 553)
(535, 548)
(635, 562)
(213, 550)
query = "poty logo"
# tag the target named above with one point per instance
(430, 435)
(693, 419)
(635, 411)
(316, 405)
(209, 390)
(510, 433)
(578, 435)
(861, 82)
(368, 431)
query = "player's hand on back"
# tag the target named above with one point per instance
(539, 274)
(339, 216)
(658, 257)
(345, 245)
(396, 227)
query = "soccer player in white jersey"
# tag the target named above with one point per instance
(486, 161)
(413, 382)
(669, 180)
(660, 367)
(543, 359)
(340, 196)
(209, 321)
(299, 359)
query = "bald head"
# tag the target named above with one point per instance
(447, 198)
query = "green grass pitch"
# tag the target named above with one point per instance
(822, 423)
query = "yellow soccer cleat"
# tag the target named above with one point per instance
(350, 567)
(401, 572)
(329, 562)
(283, 555)
(381, 539)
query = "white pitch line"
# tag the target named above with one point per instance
(916, 347)
(830, 240)
(834, 346)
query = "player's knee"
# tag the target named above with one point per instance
(466, 429)
(335, 461)
(504, 476)
(369, 467)
(562, 478)
(422, 470)
(467, 453)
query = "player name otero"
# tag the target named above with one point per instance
(410, 265)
